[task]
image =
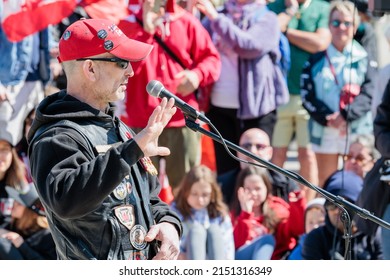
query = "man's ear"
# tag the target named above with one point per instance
(89, 70)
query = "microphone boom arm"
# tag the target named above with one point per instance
(338, 200)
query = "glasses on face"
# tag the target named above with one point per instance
(120, 62)
(336, 23)
(259, 147)
(359, 159)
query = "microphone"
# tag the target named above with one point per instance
(156, 89)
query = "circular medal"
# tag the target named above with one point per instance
(137, 237)
(120, 192)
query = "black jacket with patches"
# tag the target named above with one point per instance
(75, 181)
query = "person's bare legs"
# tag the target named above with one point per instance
(308, 170)
(279, 156)
(327, 164)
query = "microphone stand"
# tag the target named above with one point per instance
(338, 200)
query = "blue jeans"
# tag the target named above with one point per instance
(203, 244)
(259, 249)
(386, 234)
(8, 251)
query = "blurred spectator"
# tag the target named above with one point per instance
(365, 34)
(12, 174)
(253, 240)
(24, 72)
(176, 29)
(328, 241)
(207, 228)
(336, 90)
(362, 155)
(382, 80)
(305, 23)
(251, 85)
(257, 142)
(314, 218)
(28, 236)
(265, 226)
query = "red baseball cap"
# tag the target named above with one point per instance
(90, 37)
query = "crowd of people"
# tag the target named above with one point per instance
(82, 143)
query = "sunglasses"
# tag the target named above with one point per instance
(248, 146)
(120, 62)
(337, 23)
(359, 159)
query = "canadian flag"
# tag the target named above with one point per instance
(166, 194)
(25, 17)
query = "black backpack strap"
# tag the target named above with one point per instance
(164, 46)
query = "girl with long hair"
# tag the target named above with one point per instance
(207, 228)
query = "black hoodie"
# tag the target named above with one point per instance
(81, 159)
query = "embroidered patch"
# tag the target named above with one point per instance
(125, 215)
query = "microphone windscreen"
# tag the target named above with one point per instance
(154, 88)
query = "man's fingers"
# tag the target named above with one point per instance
(152, 233)
(167, 252)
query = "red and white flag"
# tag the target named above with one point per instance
(22, 18)
(113, 10)
(25, 17)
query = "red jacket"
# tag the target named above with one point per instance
(190, 42)
(248, 227)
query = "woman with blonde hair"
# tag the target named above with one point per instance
(336, 90)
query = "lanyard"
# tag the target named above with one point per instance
(332, 68)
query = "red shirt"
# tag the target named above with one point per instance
(287, 232)
(191, 43)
